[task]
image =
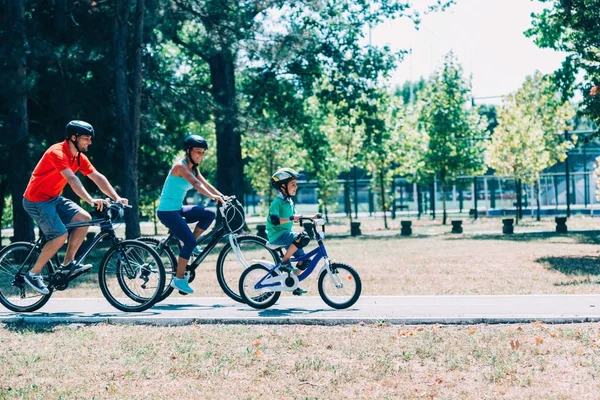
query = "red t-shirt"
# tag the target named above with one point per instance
(46, 182)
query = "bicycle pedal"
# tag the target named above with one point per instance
(183, 293)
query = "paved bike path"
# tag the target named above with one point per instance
(178, 310)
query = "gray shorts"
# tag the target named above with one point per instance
(51, 216)
(286, 239)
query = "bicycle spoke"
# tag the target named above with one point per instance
(132, 278)
(15, 293)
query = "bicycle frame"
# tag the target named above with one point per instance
(215, 236)
(106, 230)
(317, 254)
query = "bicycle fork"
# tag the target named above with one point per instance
(333, 275)
(236, 250)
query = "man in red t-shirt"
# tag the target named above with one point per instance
(43, 201)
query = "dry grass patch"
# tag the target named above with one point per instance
(363, 361)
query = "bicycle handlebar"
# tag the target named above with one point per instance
(114, 206)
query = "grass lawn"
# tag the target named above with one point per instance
(531, 361)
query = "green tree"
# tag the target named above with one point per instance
(456, 132)
(528, 138)
(409, 90)
(254, 47)
(573, 26)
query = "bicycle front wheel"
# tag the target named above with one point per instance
(231, 262)
(131, 276)
(341, 289)
(169, 261)
(15, 294)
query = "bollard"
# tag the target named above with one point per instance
(261, 231)
(406, 228)
(355, 229)
(457, 226)
(561, 224)
(507, 226)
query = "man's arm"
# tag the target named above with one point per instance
(105, 186)
(80, 191)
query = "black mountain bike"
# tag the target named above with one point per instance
(237, 254)
(131, 274)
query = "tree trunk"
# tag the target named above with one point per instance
(125, 114)
(382, 191)
(419, 202)
(432, 199)
(131, 189)
(537, 199)
(60, 18)
(444, 214)
(17, 124)
(3, 191)
(518, 215)
(230, 168)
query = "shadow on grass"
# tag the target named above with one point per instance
(584, 266)
(25, 328)
(581, 237)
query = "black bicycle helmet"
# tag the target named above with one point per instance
(193, 141)
(281, 177)
(78, 128)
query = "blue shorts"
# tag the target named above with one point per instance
(286, 239)
(51, 216)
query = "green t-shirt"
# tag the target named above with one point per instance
(281, 208)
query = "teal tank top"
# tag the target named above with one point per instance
(173, 193)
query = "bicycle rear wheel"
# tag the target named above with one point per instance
(256, 298)
(230, 267)
(131, 276)
(169, 261)
(342, 289)
(15, 293)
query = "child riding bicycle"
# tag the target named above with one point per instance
(282, 215)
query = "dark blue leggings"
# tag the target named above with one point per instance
(177, 222)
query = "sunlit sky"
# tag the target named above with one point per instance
(485, 35)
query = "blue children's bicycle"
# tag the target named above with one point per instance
(339, 285)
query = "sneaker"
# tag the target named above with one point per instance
(73, 268)
(287, 267)
(299, 291)
(36, 282)
(182, 285)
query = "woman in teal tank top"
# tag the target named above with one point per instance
(184, 175)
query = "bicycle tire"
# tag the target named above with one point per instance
(166, 254)
(260, 300)
(8, 274)
(126, 280)
(350, 276)
(229, 269)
